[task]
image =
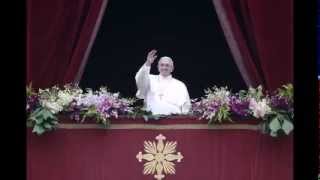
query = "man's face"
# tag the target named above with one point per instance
(165, 67)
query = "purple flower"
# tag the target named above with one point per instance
(112, 106)
(104, 106)
(32, 103)
(214, 106)
(197, 107)
(74, 109)
(239, 107)
(281, 103)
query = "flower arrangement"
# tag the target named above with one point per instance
(44, 106)
(101, 105)
(280, 119)
(275, 110)
(215, 106)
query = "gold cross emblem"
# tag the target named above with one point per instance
(160, 157)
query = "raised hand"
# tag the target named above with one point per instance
(151, 57)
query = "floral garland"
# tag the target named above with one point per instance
(44, 106)
(275, 110)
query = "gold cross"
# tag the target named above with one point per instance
(160, 157)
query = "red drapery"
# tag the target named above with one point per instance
(60, 34)
(99, 154)
(260, 37)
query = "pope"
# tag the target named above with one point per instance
(162, 93)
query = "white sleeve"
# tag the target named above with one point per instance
(187, 104)
(143, 81)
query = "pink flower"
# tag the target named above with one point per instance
(259, 109)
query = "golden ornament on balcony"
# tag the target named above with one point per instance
(159, 157)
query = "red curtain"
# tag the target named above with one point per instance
(260, 37)
(60, 35)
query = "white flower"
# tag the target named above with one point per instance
(54, 107)
(221, 95)
(259, 109)
(64, 98)
(89, 99)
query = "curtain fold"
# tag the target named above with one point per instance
(260, 37)
(60, 35)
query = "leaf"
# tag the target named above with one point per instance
(218, 117)
(227, 115)
(275, 125)
(229, 119)
(45, 114)
(29, 124)
(287, 126)
(39, 120)
(108, 123)
(281, 111)
(54, 122)
(39, 116)
(286, 91)
(145, 117)
(83, 118)
(36, 111)
(273, 134)
(32, 118)
(47, 125)
(104, 122)
(38, 129)
(49, 115)
(29, 89)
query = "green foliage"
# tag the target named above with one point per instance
(286, 91)
(29, 90)
(92, 112)
(42, 121)
(280, 122)
(222, 115)
(105, 122)
(277, 123)
(256, 93)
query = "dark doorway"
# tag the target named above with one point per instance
(187, 31)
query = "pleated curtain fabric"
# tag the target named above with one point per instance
(260, 37)
(60, 35)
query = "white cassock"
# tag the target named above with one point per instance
(162, 95)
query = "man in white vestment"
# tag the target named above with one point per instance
(162, 94)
